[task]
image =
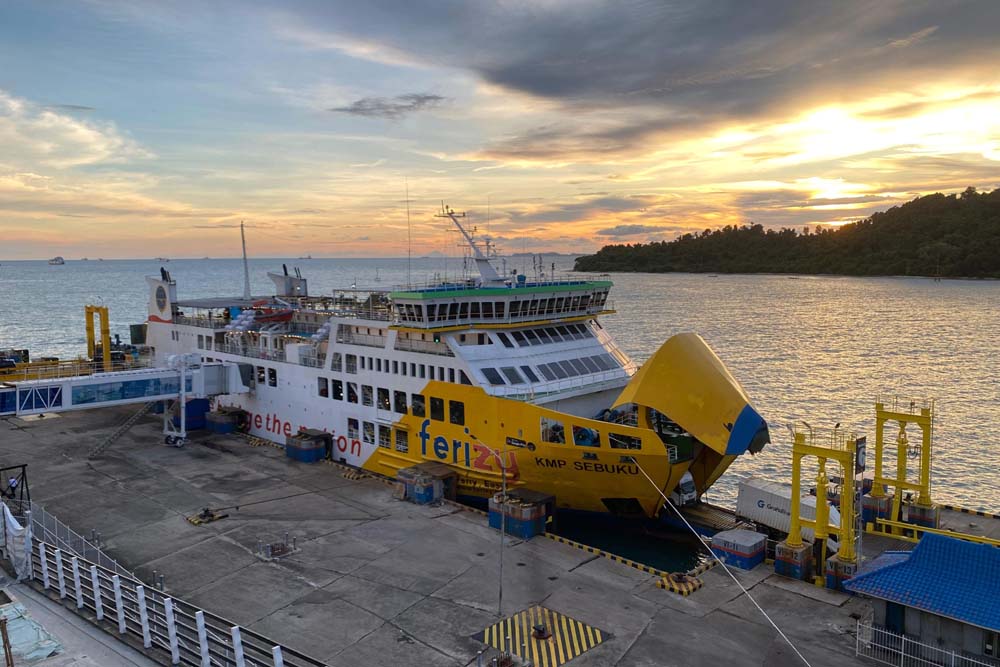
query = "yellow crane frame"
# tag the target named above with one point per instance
(839, 447)
(102, 314)
(921, 413)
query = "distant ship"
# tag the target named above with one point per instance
(161, 259)
(306, 257)
(57, 261)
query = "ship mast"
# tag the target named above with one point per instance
(246, 266)
(487, 274)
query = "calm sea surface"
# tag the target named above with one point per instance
(816, 349)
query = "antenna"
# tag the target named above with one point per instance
(246, 266)
(487, 274)
(409, 237)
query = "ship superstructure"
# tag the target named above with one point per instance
(487, 373)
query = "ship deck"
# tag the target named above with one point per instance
(377, 581)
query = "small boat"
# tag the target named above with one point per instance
(274, 316)
(57, 261)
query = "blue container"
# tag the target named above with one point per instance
(305, 454)
(195, 411)
(522, 528)
(793, 570)
(742, 561)
(221, 427)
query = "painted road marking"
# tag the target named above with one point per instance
(569, 638)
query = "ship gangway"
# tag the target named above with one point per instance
(183, 377)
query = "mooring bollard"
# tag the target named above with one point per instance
(95, 584)
(77, 588)
(140, 594)
(199, 619)
(116, 583)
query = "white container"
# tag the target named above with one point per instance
(769, 504)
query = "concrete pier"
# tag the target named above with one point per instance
(376, 581)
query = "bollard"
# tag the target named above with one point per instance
(480, 662)
(279, 661)
(116, 583)
(286, 538)
(140, 594)
(44, 560)
(168, 610)
(60, 575)
(162, 585)
(95, 583)
(237, 646)
(199, 618)
(77, 588)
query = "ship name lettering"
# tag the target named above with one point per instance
(543, 462)
(613, 468)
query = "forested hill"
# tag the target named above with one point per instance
(936, 235)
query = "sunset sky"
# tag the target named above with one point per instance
(140, 129)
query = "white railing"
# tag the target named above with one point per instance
(171, 627)
(425, 346)
(69, 368)
(47, 528)
(886, 647)
(252, 352)
(591, 382)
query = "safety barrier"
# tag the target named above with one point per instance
(47, 528)
(889, 648)
(177, 632)
(965, 510)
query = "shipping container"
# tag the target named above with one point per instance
(769, 504)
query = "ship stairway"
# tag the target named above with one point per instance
(120, 431)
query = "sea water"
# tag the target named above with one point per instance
(810, 350)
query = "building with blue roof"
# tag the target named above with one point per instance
(946, 593)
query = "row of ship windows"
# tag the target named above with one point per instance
(556, 370)
(554, 431)
(352, 362)
(365, 431)
(545, 335)
(445, 312)
(379, 396)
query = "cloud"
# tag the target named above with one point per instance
(629, 230)
(70, 107)
(390, 107)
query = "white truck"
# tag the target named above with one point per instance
(769, 504)
(684, 493)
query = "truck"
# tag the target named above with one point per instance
(768, 504)
(684, 493)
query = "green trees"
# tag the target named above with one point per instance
(935, 235)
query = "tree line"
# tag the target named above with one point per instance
(952, 236)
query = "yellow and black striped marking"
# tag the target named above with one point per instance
(568, 638)
(965, 510)
(682, 584)
(354, 475)
(605, 554)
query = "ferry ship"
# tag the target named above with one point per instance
(493, 375)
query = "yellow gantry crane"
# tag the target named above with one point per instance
(839, 447)
(102, 313)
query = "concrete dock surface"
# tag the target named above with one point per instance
(377, 581)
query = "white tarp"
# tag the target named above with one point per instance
(16, 542)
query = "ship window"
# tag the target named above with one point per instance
(352, 363)
(352, 429)
(423, 371)
(579, 366)
(417, 405)
(505, 339)
(338, 390)
(378, 365)
(991, 644)
(586, 437)
(323, 387)
(384, 436)
(530, 374)
(532, 338)
(369, 432)
(366, 395)
(437, 409)
(352, 392)
(488, 309)
(547, 372)
(399, 400)
(465, 378)
(451, 375)
(456, 412)
(402, 441)
(482, 339)
(474, 310)
(201, 342)
(585, 330)
(553, 431)
(363, 363)
(515, 308)
(609, 360)
(558, 370)
(498, 309)
(512, 375)
(492, 376)
(395, 367)
(519, 338)
(338, 365)
(413, 369)
(618, 441)
(431, 312)
(591, 366)
(272, 377)
(261, 375)
(556, 338)
(383, 398)
(402, 368)
(543, 336)
(463, 310)
(568, 367)
(564, 332)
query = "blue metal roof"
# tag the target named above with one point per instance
(942, 575)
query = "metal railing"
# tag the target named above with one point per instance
(252, 352)
(424, 346)
(69, 368)
(204, 322)
(47, 528)
(174, 628)
(368, 340)
(886, 647)
(593, 382)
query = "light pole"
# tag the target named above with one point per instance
(501, 458)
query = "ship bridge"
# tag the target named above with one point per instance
(144, 385)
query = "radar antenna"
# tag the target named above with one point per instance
(488, 275)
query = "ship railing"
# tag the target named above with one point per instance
(204, 322)
(176, 631)
(424, 346)
(312, 360)
(252, 352)
(594, 381)
(886, 647)
(368, 340)
(560, 278)
(71, 368)
(526, 319)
